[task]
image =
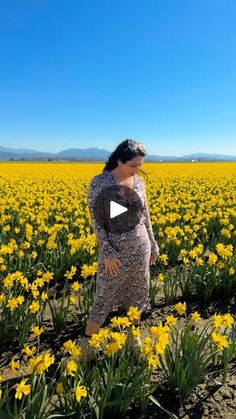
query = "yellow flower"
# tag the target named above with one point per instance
(47, 276)
(103, 333)
(98, 339)
(20, 299)
(118, 341)
(39, 282)
(48, 359)
(158, 330)
(71, 273)
(161, 345)
(180, 308)
(195, 316)
(152, 362)
(88, 270)
(29, 351)
(34, 307)
(6, 228)
(136, 332)
(44, 296)
(220, 265)
(220, 341)
(41, 363)
(186, 261)
(12, 303)
(111, 348)
(228, 320)
(22, 388)
(14, 365)
(199, 261)
(146, 348)
(148, 340)
(75, 286)
(36, 331)
(231, 271)
(80, 391)
(72, 299)
(36, 365)
(225, 233)
(71, 368)
(120, 321)
(34, 290)
(72, 348)
(95, 341)
(8, 282)
(134, 314)
(217, 320)
(2, 298)
(183, 252)
(164, 259)
(119, 338)
(224, 251)
(212, 258)
(171, 320)
(161, 277)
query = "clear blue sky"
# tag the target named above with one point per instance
(85, 73)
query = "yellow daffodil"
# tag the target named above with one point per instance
(180, 308)
(80, 391)
(22, 388)
(195, 317)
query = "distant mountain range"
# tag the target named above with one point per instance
(97, 154)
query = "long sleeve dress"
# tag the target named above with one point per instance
(133, 248)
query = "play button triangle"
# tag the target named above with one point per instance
(116, 209)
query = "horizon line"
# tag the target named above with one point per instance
(109, 151)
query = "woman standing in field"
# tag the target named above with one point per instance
(124, 260)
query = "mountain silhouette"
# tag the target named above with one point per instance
(94, 154)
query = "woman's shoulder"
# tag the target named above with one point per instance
(98, 183)
(99, 180)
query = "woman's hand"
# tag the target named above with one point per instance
(112, 266)
(153, 259)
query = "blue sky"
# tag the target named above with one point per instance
(94, 72)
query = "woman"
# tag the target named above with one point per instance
(123, 273)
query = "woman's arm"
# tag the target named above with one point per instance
(101, 235)
(155, 251)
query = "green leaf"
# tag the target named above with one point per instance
(156, 402)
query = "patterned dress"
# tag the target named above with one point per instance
(133, 248)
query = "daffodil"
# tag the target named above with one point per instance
(80, 391)
(195, 317)
(180, 308)
(22, 388)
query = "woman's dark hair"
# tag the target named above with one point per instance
(125, 151)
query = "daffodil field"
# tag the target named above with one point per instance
(48, 262)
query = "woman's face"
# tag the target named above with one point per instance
(131, 167)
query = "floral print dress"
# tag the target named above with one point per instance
(133, 248)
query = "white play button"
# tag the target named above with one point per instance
(116, 209)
